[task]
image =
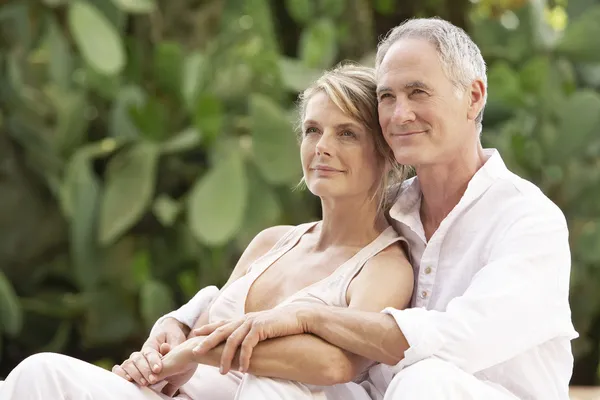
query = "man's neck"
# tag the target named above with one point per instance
(443, 185)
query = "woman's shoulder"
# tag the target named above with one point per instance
(269, 237)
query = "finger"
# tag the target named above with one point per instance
(153, 356)
(143, 366)
(134, 373)
(164, 349)
(218, 336)
(121, 372)
(231, 345)
(208, 329)
(246, 349)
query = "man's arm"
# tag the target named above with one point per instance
(517, 301)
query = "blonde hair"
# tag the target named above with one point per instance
(352, 88)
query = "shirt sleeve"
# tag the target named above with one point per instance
(517, 301)
(188, 313)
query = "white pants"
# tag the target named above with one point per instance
(48, 376)
(433, 379)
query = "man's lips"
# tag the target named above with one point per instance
(411, 133)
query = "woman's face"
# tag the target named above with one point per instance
(338, 153)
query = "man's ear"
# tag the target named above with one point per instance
(476, 93)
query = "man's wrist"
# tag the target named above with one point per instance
(184, 328)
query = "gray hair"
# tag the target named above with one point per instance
(460, 57)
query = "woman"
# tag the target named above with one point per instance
(351, 258)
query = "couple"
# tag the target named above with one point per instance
(318, 311)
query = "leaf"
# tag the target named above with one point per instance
(193, 70)
(297, 76)
(107, 86)
(318, 44)
(116, 16)
(11, 313)
(166, 210)
(136, 6)
(168, 66)
(97, 39)
(263, 210)
(129, 190)
(217, 202)
(151, 118)
(61, 60)
(110, 318)
(71, 123)
(80, 200)
(580, 41)
(156, 300)
(209, 116)
(276, 151)
(186, 140)
(579, 118)
(300, 10)
(121, 121)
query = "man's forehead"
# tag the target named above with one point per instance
(408, 53)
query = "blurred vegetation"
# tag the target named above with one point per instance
(143, 143)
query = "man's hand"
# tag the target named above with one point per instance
(143, 366)
(247, 332)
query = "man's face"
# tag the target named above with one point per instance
(423, 115)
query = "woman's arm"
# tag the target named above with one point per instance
(385, 281)
(171, 333)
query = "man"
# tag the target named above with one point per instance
(490, 316)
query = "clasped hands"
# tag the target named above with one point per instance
(171, 357)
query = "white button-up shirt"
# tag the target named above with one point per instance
(491, 285)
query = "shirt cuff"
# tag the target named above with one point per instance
(189, 313)
(419, 330)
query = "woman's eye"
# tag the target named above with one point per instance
(310, 130)
(348, 134)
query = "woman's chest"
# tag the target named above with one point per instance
(291, 274)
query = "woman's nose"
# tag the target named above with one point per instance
(324, 145)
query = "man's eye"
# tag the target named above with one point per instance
(384, 96)
(310, 130)
(418, 91)
(348, 134)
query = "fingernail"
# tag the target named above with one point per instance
(152, 378)
(143, 381)
(128, 377)
(196, 349)
(221, 369)
(156, 368)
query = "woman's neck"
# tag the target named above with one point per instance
(349, 222)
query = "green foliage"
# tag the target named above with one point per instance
(144, 143)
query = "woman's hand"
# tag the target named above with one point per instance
(142, 366)
(247, 332)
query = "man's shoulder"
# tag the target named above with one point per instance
(521, 197)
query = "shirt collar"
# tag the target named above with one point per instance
(406, 210)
